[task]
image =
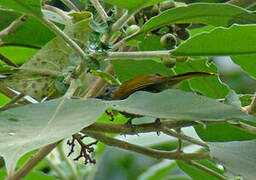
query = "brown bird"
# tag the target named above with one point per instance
(150, 82)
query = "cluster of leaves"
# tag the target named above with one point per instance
(47, 64)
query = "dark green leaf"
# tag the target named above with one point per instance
(247, 63)
(223, 132)
(196, 173)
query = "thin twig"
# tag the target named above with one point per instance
(13, 26)
(70, 5)
(206, 169)
(184, 137)
(248, 128)
(100, 10)
(7, 61)
(32, 162)
(242, 3)
(147, 151)
(250, 109)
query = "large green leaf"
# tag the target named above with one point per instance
(30, 33)
(223, 132)
(236, 40)
(206, 13)
(208, 86)
(178, 105)
(238, 158)
(247, 63)
(132, 4)
(33, 126)
(28, 6)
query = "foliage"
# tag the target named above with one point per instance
(55, 62)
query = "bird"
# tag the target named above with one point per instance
(154, 83)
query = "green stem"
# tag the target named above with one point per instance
(138, 55)
(206, 169)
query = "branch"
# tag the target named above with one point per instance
(32, 162)
(146, 151)
(100, 10)
(206, 169)
(138, 55)
(135, 129)
(13, 26)
(251, 109)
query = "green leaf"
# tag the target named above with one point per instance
(247, 63)
(205, 13)
(30, 33)
(178, 105)
(236, 40)
(208, 86)
(196, 173)
(127, 69)
(32, 7)
(133, 4)
(225, 132)
(37, 125)
(238, 158)
(21, 54)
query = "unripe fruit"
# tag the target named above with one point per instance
(182, 58)
(168, 41)
(169, 62)
(132, 29)
(183, 25)
(166, 5)
(183, 34)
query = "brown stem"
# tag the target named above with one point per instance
(145, 150)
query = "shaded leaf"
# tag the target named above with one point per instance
(232, 99)
(132, 4)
